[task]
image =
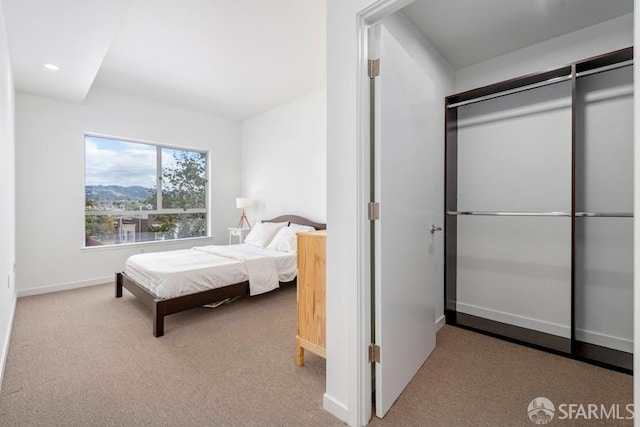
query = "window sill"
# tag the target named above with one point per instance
(141, 246)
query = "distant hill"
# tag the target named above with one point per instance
(115, 192)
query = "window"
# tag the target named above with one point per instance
(140, 192)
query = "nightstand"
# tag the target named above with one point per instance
(240, 233)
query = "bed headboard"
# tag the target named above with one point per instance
(297, 220)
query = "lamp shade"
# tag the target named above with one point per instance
(242, 202)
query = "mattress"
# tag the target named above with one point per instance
(181, 272)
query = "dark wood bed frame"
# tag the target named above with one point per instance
(164, 307)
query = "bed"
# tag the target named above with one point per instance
(174, 281)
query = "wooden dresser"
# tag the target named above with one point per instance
(311, 294)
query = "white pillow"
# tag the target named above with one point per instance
(262, 233)
(285, 240)
(301, 228)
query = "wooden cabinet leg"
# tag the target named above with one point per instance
(299, 353)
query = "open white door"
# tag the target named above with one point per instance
(408, 184)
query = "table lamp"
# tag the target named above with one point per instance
(242, 203)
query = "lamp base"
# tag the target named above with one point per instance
(243, 219)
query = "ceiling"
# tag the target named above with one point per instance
(237, 58)
(73, 34)
(469, 31)
(233, 58)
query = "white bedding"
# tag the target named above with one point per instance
(286, 262)
(186, 271)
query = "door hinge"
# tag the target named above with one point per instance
(374, 211)
(374, 353)
(374, 68)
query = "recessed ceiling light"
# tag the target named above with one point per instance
(51, 67)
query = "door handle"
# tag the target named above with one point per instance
(434, 228)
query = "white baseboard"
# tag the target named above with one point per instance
(592, 337)
(66, 286)
(516, 320)
(5, 345)
(440, 322)
(604, 340)
(335, 408)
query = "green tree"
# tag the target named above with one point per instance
(90, 204)
(152, 199)
(162, 223)
(184, 184)
(99, 225)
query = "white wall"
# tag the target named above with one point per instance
(605, 37)
(50, 180)
(512, 269)
(284, 160)
(604, 246)
(7, 195)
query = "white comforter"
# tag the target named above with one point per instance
(186, 271)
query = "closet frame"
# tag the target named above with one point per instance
(569, 347)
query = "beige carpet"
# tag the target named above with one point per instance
(84, 358)
(474, 380)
